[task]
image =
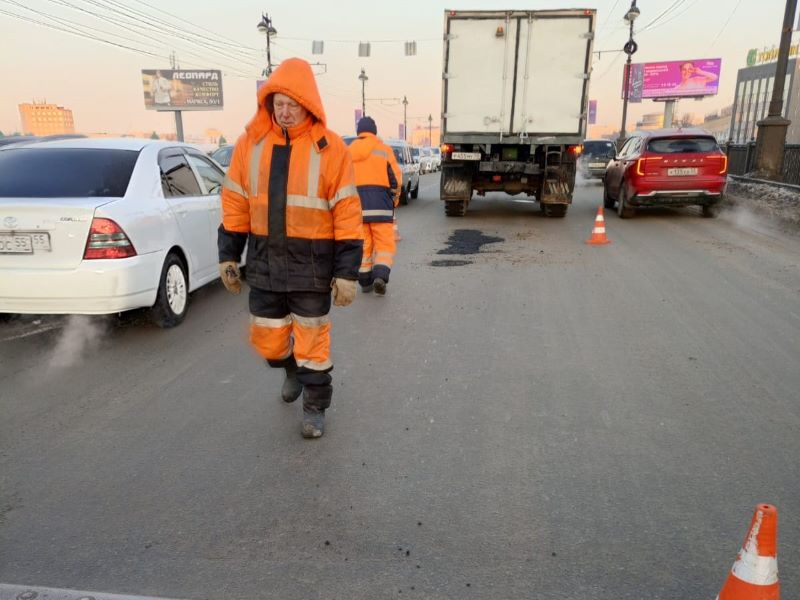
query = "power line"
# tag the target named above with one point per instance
(672, 6)
(122, 25)
(77, 30)
(719, 33)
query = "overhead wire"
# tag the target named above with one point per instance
(125, 25)
(730, 16)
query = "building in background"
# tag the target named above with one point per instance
(719, 123)
(46, 119)
(421, 136)
(754, 84)
(651, 121)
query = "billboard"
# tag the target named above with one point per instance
(179, 89)
(675, 79)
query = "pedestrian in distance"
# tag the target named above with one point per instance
(290, 196)
(378, 179)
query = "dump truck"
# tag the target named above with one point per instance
(515, 95)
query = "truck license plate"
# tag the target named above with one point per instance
(682, 171)
(24, 243)
(466, 155)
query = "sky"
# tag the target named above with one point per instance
(102, 83)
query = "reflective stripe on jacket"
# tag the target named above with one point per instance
(291, 195)
(378, 178)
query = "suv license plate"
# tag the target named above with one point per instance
(24, 243)
(682, 171)
(466, 156)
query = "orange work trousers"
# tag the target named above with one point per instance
(379, 251)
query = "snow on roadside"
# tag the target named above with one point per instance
(762, 201)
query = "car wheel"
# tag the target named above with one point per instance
(172, 298)
(415, 191)
(623, 210)
(711, 211)
(403, 197)
(608, 201)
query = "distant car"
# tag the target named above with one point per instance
(100, 226)
(223, 155)
(667, 167)
(436, 158)
(594, 157)
(425, 160)
(405, 160)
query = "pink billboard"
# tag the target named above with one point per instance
(675, 79)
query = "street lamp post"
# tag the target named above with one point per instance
(771, 136)
(629, 49)
(265, 26)
(405, 119)
(430, 130)
(363, 77)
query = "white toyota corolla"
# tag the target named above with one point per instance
(100, 226)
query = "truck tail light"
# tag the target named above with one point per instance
(107, 240)
(446, 148)
(497, 178)
(575, 150)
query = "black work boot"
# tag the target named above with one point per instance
(292, 388)
(380, 286)
(316, 398)
(313, 422)
(367, 288)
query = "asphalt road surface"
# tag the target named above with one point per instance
(540, 419)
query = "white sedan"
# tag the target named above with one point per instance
(100, 226)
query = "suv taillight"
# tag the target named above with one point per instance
(107, 240)
(724, 168)
(642, 162)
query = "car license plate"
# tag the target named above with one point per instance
(24, 243)
(682, 171)
(466, 156)
(597, 165)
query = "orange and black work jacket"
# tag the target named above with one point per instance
(378, 178)
(290, 195)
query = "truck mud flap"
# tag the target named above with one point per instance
(556, 191)
(456, 184)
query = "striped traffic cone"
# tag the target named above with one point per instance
(397, 236)
(754, 575)
(599, 229)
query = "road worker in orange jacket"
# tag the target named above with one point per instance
(378, 179)
(290, 195)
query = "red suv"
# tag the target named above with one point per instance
(666, 167)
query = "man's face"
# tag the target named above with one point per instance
(288, 113)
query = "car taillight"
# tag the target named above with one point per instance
(724, 168)
(640, 164)
(107, 240)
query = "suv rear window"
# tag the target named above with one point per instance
(65, 172)
(682, 145)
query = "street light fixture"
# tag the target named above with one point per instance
(265, 27)
(363, 77)
(629, 48)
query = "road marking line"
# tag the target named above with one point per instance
(30, 333)
(20, 592)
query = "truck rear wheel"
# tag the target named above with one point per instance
(557, 211)
(455, 208)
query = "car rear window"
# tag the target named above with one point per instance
(681, 145)
(65, 172)
(398, 154)
(598, 148)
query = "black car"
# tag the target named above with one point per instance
(594, 158)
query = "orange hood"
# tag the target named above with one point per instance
(295, 79)
(362, 147)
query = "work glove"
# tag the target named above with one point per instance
(231, 278)
(344, 291)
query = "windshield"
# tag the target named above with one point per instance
(683, 145)
(598, 148)
(65, 172)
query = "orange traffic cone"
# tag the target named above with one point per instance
(397, 236)
(754, 575)
(599, 229)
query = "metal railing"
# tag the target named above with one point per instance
(742, 160)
